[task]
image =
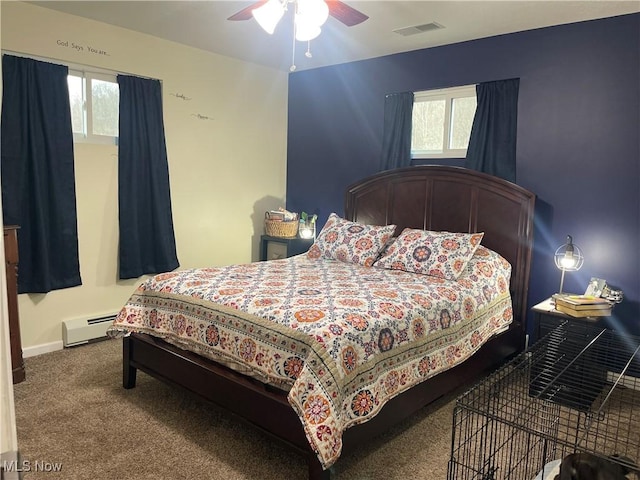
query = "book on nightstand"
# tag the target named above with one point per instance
(582, 305)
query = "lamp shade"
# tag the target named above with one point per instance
(310, 16)
(568, 258)
(268, 15)
(313, 11)
(306, 30)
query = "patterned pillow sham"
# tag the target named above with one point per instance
(439, 254)
(486, 263)
(350, 242)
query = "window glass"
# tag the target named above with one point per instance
(95, 103)
(105, 102)
(462, 113)
(428, 126)
(441, 122)
(77, 103)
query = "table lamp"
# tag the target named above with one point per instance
(568, 258)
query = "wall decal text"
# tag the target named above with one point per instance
(201, 117)
(81, 48)
(181, 96)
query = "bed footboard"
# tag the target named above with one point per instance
(248, 398)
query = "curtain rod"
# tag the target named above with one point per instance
(74, 66)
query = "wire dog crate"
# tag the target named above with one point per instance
(573, 397)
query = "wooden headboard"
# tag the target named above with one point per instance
(454, 199)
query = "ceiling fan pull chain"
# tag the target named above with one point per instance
(293, 67)
(308, 52)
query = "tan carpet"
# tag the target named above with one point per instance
(72, 410)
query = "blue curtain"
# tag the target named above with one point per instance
(492, 145)
(147, 241)
(38, 179)
(396, 139)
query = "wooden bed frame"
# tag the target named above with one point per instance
(427, 197)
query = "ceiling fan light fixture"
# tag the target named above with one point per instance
(308, 18)
(313, 11)
(268, 15)
(306, 30)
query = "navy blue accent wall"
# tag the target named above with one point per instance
(578, 138)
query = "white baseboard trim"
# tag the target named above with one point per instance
(40, 349)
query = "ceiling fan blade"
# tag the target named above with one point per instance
(345, 14)
(245, 13)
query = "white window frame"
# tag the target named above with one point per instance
(86, 136)
(448, 94)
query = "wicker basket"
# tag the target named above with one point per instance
(278, 228)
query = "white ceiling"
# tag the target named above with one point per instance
(204, 25)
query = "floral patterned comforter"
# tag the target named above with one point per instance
(343, 339)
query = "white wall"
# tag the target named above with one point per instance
(225, 171)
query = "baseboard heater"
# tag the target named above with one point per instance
(84, 330)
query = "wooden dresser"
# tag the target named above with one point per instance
(11, 265)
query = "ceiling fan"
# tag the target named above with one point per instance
(337, 9)
(308, 18)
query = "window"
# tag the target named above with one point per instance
(441, 123)
(94, 99)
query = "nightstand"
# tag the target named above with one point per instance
(546, 318)
(582, 377)
(273, 248)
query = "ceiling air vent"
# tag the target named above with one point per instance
(427, 27)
